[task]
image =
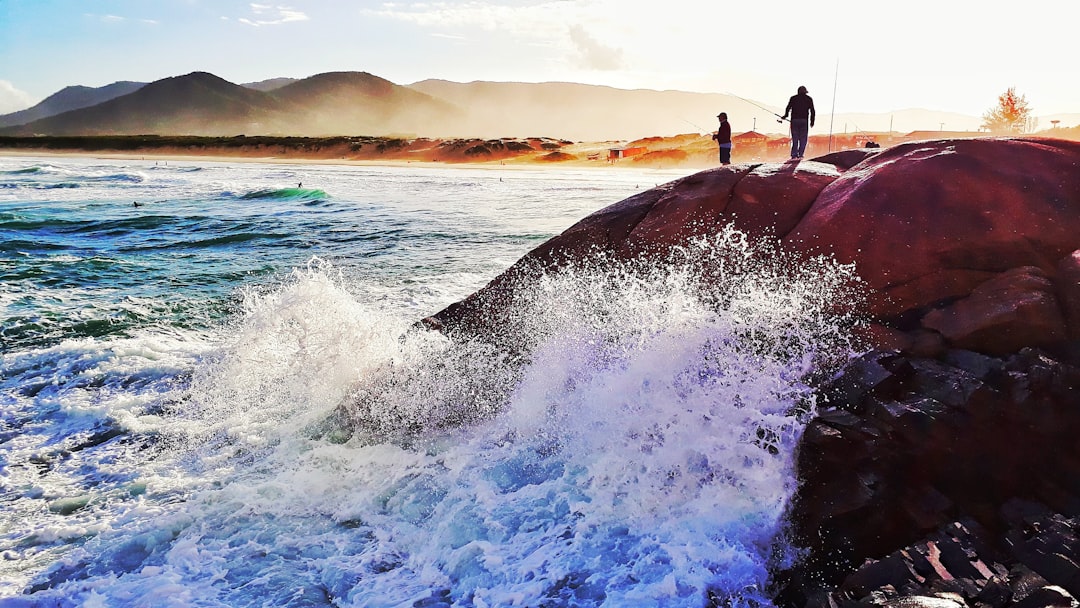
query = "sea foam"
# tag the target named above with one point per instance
(635, 449)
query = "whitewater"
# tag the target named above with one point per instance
(214, 392)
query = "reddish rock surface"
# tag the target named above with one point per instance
(925, 221)
(934, 229)
(1015, 309)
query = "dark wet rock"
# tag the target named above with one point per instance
(1047, 597)
(1016, 308)
(955, 478)
(1068, 284)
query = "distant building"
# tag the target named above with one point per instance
(860, 139)
(779, 146)
(750, 137)
(617, 153)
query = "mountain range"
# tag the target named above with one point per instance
(200, 103)
(359, 103)
(70, 98)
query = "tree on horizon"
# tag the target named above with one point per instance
(1010, 116)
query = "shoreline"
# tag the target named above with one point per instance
(513, 165)
(680, 153)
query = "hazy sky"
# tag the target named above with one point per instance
(950, 55)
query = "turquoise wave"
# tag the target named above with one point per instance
(223, 241)
(14, 223)
(39, 185)
(20, 245)
(294, 194)
(116, 177)
(120, 226)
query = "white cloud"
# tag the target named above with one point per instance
(536, 20)
(265, 14)
(12, 99)
(755, 50)
(576, 34)
(592, 54)
(120, 19)
(449, 36)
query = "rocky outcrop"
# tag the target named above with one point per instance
(969, 243)
(955, 479)
(944, 469)
(1014, 309)
(930, 222)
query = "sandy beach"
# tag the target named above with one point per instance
(680, 152)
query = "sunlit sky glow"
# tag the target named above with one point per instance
(954, 56)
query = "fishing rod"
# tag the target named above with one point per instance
(779, 118)
(696, 126)
(832, 112)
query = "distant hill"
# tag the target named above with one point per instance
(898, 121)
(586, 112)
(195, 104)
(362, 104)
(269, 85)
(70, 98)
(1065, 121)
(597, 113)
(337, 103)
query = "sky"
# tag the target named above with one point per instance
(853, 55)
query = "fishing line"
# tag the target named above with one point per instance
(779, 118)
(696, 126)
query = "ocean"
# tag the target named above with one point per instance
(213, 392)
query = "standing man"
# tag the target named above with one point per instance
(801, 108)
(723, 137)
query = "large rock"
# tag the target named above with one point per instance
(1015, 309)
(926, 222)
(943, 470)
(928, 225)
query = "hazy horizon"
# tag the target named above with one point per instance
(357, 104)
(875, 63)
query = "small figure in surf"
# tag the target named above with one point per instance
(135, 204)
(723, 138)
(801, 108)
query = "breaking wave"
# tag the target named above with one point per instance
(286, 194)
